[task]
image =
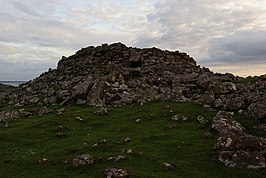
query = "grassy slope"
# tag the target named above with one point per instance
(153, 143)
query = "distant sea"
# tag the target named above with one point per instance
(13, 83)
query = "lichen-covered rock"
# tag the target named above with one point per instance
(242, 159)
(202, 120)
(222, 88)
(257, 110)
(223, 121)
(240, 141)
(83, 160)
(81, 90)
(180, 117)
(235, 148)
(116, 158)
(234, 103)
(96, 95)
(116, 173)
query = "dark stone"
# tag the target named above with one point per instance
(242, 159)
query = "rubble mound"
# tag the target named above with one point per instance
(116, 74)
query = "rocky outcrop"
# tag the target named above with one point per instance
(116, 74)
(234, 147)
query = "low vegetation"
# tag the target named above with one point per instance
(45, 146)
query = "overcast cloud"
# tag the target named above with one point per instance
(223, 35)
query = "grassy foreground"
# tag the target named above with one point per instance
(154, 141)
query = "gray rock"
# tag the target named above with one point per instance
(240, 141)
(116, 173)
(96, 95)
(100, 142)
(242, 159)
(43, 110)
(82, 160)
(257, 110)
(50, 100)
(234, 103)
(60, 111)
(63, 94)
(81, 90)
(116, 158)
(101, 111)
(223, 121)
(179, 117)
(202, 120)
(219, 88)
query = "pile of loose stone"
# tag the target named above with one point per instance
(116, 74)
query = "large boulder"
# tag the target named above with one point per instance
(242, 159)
(239, 141)
(257, 110)
(223, 121)
(234, 103)
(81, 90)
(96, 95)
(219, 88)
(234, 147)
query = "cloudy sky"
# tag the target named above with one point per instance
(224, 35)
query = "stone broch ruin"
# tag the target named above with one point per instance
(116, 74)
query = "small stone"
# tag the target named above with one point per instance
(207, 135)
(169, 165)
(61, 134)
(180, 118)
(60, 111)
(60, 127)
(82, 160)
(100, 142)
(138, 120)
(129, 151)
(43, 161)
(127, 140)
(206, 106)
(101, 111)
(202, 120)
(79, 118)
(172, 126)
(116, 173)
(116, 158)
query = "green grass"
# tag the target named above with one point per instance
(28, 140)
(246, 80)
